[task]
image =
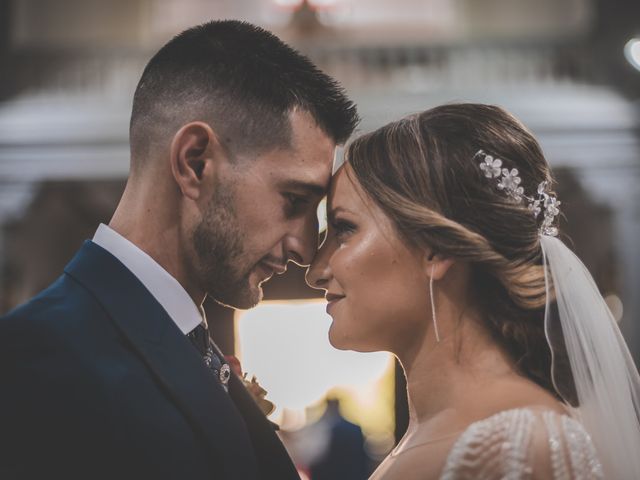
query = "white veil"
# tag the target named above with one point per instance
(586, 343)
(592, 369)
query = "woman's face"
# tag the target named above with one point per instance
(377, 288)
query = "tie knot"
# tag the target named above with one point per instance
(199, 336)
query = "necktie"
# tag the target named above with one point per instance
(199, 336)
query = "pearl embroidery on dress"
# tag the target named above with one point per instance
(558, 462)
(502, 446)
(584, 460)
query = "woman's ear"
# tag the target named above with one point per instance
(436, 265)
(193, 153)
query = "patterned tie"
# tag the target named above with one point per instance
(199, 336)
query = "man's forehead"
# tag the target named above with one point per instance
(318, 181)
(310, 186)
(309, 170)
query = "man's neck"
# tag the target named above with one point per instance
(157, 234)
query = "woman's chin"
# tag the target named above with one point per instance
(339, 340)
(343, 341)
(338, 343)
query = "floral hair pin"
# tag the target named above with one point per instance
(509, 182)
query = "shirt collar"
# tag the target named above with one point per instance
(166, 289)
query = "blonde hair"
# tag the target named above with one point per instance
(421, 171)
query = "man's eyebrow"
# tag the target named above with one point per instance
(313, 189)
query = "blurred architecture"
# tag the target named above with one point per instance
(68, 69)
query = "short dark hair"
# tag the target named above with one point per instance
(241, 79)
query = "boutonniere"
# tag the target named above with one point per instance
(257, 392)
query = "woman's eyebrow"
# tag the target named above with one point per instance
(332, 213)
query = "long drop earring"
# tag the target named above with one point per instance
(433, 305)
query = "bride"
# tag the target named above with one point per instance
(442, 248)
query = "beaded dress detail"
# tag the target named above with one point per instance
(523, 444)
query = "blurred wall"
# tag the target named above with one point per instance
(68, 70)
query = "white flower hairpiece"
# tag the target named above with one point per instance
(509, 182)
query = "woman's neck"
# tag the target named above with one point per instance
(442, 377)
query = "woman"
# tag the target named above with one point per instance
(440, 228)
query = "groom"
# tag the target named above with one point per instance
(109, 372)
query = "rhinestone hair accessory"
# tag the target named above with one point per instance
(508, 181)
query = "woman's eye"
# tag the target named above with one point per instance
(342, 229)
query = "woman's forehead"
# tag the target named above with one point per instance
(347, 195)
(343, 190)
(346, 192)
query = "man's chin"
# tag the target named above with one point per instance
(241, 299)
(241, 294)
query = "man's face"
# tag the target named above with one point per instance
(262, 215)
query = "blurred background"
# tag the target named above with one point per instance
(569, 69)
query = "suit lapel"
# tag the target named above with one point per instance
(273, 459)
(169, 356)
(272, 456)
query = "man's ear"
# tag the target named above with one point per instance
(436, 265)
(193, 153)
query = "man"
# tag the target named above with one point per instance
(109, 373)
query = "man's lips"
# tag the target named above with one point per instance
(277, 268)
(270, 268)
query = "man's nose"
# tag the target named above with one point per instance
(301, 245)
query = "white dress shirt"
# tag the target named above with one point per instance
(166, 289)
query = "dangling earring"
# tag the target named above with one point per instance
(433, 305)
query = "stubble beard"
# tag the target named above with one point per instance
(221, 266)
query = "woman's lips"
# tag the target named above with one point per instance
(332, 299)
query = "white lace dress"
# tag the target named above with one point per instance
(523, 444)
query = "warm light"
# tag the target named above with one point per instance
(314, 4)
(632, 52)
(322, 215)
(303, 475)
(323, 3)
(285, 344)
(616, 306)
(288, 3)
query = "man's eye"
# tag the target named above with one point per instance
(296, 200)
(295, 203)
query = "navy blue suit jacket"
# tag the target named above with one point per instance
(97, 381)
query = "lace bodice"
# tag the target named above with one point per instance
(523, 444)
